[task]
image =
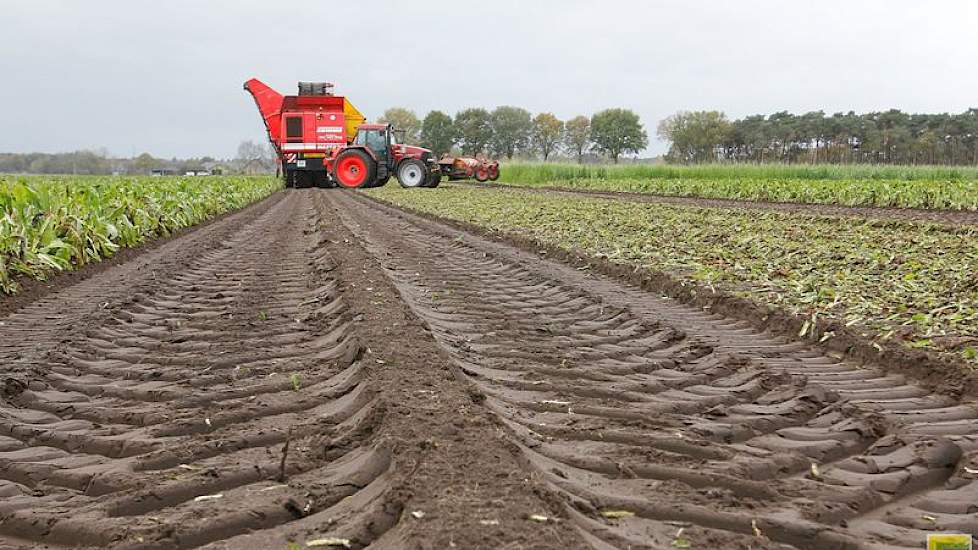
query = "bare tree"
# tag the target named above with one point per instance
(255, 157)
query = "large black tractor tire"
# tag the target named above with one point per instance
(322, 180)
(305, 179)
(412, 173)
(433, 180)
(354, 169)
(289, 177)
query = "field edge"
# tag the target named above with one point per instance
(937, 372)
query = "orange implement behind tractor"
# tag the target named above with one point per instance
(457, 168)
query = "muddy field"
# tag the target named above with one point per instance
(322, 370)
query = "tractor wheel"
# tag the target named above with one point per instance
(303, 179)
(482, 174)
(353, 169)
(433, 180)
(322, 180)
(494, 173)
(412, 173)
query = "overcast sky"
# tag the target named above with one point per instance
(165, 76)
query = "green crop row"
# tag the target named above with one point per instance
(891, 186)
(914, 282)
(59, 223)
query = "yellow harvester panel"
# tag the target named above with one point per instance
(353, 119)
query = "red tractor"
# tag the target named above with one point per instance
(321, 140)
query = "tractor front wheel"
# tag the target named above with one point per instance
(493, 173)
(354, 169)
(412, 173)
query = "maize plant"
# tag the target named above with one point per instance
(61, 223)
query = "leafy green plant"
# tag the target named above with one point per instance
(60, 223)
(914, 282)
(932, 187)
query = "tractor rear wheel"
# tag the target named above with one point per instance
(353, 169)
(412, 173)
(482, 174)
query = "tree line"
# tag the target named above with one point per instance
(509, 131)
(252, 158)
(886, 137)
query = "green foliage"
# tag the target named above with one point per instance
(695, 136)
(404, 120)
(881, 137)
(511, 130)
(473, 129)
(934, 187)
(577, 135)
(912, 281)
(616, 132)
(547, 132)
(438, 133)
(60, 223)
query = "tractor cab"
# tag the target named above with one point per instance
(380, 139)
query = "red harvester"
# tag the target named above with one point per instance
(321, 140)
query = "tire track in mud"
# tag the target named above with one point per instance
(623, 400)
(160, 420)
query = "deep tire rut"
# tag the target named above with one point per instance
(623, 400)
(161, 423)
(436, 389)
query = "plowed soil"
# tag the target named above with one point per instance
(324, 370)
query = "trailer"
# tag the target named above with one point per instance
(323, 140)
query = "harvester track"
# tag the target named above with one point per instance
(629, 402)
(160, 421)
(437, 388)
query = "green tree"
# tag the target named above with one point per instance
(473, 130)
(577, 135)
(145, 162)
(696, 136)
(438, 133)
(511, 130)
(547, 132)
(404, 120)
(616, 132)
